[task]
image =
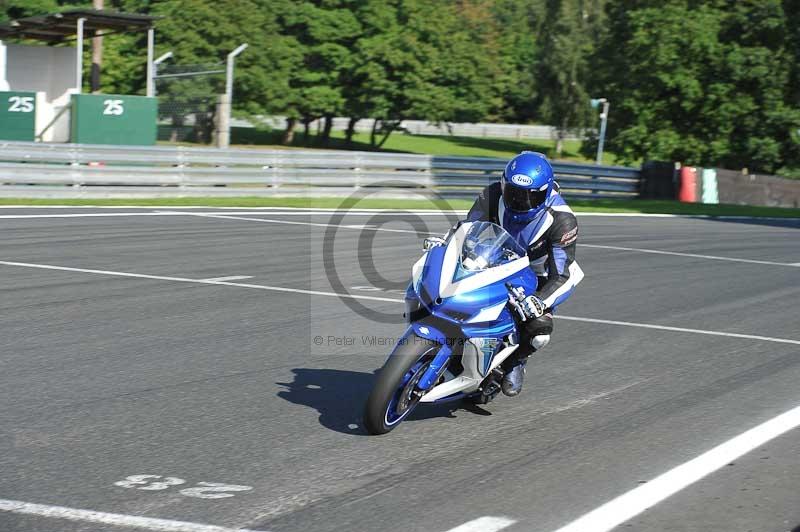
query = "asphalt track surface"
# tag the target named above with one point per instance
(105, 376)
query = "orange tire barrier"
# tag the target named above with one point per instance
(687, 192)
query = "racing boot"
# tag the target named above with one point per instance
(515, 375)
(512, 380)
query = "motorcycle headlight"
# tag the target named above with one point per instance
(412, 309)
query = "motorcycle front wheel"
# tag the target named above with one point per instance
(395, 394)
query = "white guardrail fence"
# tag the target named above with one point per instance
(29, 169)
(422, 127)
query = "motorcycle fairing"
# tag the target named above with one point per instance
(472, 307)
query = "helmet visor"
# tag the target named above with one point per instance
(522, 199)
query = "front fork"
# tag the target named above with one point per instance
(435, 368)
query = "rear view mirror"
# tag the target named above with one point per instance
(432, 242)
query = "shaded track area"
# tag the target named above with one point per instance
(127, 387)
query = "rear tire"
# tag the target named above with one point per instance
(405, 364)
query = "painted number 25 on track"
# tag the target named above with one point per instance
(202, 490)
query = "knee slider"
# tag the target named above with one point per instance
(540, 341)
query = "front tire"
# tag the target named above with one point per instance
(392, 398)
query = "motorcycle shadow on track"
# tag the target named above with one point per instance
(339, 396)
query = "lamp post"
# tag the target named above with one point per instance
(229, 73)
(226, 102)
(157, 62)
(603, 119)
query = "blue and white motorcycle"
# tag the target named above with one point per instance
(459, 307)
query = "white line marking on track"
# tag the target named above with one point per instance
(385, 299)
(371, 228)
(86, 215)
(198, 281)
(682, 329)
(353, 212)
(259, 210)
(90, 516)
(169, 213)
(384, 229)
(231, 278)
(484, 524)
(693, 255)
(639, 499)
(365, 211)
(291, 222)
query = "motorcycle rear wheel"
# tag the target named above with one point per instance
(394, 395)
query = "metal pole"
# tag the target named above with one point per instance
(229, 73)
(162, 58)
(79, 57)
(226, 102)
(157, 62)
(603, 120)
(150, 45)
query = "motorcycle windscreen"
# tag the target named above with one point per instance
(486, 245)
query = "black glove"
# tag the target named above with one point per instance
(527, 307)
(533, 307)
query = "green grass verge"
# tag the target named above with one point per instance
(469, 146)
(399, 142)
(600, 205)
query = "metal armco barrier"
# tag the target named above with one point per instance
(33, 169)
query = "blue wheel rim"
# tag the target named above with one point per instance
(391, 416)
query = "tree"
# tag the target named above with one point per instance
(14, 9)
(202, 33)
(322, 32)
(791, 9)
(417, 59)
(563, 68)
(704, 83)
(516, 25)
(758, 65)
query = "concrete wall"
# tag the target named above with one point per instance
(45, 69)
(770, 191)
(3, 55)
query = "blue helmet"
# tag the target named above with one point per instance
(526, 183)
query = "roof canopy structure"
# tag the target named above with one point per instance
(62, 26)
